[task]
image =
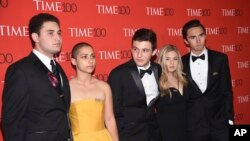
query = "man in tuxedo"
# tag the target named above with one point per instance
(36, 94)
(134, 86)
(210, 104)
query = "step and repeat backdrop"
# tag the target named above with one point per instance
(109, 26)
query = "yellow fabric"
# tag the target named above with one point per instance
(87, 121)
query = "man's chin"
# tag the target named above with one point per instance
(57, 53)
(140, 65)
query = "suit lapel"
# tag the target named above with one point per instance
(155, 70)
(135, 75)
(38, 63)
(44, 72)
(210, 69)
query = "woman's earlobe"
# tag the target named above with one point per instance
(73, 61)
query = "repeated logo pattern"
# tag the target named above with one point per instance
(110, 25)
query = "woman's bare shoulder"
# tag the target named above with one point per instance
(102, 83)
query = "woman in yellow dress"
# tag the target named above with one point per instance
(91, 111)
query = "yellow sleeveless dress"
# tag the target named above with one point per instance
(87, 120)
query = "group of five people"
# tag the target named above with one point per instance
(173, 99)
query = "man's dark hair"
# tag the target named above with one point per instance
(191, 24)
(37, 21)
(144, 34)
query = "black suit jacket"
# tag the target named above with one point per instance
(32, 109)
(135, 120)
(214, 107)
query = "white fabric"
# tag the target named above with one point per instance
(149, 84)
(199, 70)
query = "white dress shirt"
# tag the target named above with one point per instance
(199, 70)
(149, 84)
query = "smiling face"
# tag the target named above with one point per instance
(49, 39)
(142, 52)
(196, 39)
(84, 60)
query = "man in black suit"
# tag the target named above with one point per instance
(210, 104)
(35, 101)
(134, 87)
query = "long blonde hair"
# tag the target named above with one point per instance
(179, 74)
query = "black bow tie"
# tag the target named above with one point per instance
(142, 72)
(194, 58)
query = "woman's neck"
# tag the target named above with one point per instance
(84, 78)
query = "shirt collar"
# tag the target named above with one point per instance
(45, 60)
(144, 68)
(203, 52)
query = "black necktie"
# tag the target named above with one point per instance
(142, 72)
(56, 80)
(194, 58)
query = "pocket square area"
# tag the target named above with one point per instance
(215, 73)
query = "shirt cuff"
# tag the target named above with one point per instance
(230, 122)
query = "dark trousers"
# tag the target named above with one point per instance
(209, 134)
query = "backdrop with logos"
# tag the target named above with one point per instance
(109, 26)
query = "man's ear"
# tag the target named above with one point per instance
(154, 52)
(186, 43)
(34, 37)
